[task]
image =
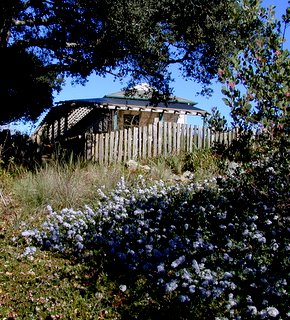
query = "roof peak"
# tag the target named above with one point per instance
(143, 91)
(143, 87)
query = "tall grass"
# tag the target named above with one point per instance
(25, 194)
(64, 185)
(73, 184)
(203, 163)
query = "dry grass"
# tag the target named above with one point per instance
(25, 194)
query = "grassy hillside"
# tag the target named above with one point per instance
(79, 241)
(50, 285)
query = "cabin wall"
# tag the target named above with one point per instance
(139, 118)
(171, 117)
(102, 121)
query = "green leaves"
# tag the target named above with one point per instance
(257, 88)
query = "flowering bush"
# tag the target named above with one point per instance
(222, 245)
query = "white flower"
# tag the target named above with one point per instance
(253, 310)
(171, 286)
(28, 233)
(123, 287)
(195, 266)
(183, 298)
(160, 268)
(177, 262)
(191, 288)
(272, 312)
(79, 238)
(29, 251)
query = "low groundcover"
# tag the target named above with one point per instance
(222, 244)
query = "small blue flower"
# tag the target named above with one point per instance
(171, 286)
(183, 298)
(29, 251)
(178, 262)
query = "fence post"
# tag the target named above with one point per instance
(150, 137)
(178, 139)
(155, 139)
(106, 149)
(145, 142)
(129, 143)
(199, 137)
(165, 138)
(135, 144)
(125, 157)
(116, 146)
(140, 142)
(160, 138)
(121, 146)
(152, 140)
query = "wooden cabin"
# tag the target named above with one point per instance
(116, 111)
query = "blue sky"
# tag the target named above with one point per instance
(97, 87)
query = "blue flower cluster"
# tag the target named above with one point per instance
(220, 240)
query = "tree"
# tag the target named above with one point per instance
(26, 86)
(129, 37)
(257, 89)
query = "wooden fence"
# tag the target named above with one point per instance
(162, 138)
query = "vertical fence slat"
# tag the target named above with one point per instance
(116, 142)
(96, 148)
(160, 138)
(111, 146)
(135, 144)
(140, 142)
(208, 145)
(165, 138)
(187, 134)
(178, 139)
(155, 139)
(106, 149)
(125, 157)
(129, 150)
(150, 141)
(169, 140)
(101, 148)
(182, 138)
(195, 140)
(120, 145)
(199, 138)
(190, 139)
(174, 134)
(150, 138)
(144, 142)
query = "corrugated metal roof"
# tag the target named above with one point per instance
(140, 103)
(144, 92)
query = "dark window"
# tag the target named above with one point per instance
(131, 120)
(102, 122)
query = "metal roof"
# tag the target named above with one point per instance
(139, 105)
(144, 92)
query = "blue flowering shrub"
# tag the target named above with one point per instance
(212, 250)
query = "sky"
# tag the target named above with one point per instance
(97, 87)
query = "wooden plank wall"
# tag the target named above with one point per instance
(162, 138)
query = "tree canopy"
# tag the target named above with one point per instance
(135, 38)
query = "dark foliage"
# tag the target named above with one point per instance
(140, 39)
(26, 86)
